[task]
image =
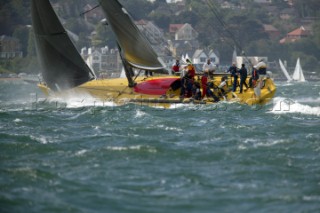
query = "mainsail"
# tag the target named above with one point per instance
(298, 73)
(62, 65)
(284, 70)
(136, 49)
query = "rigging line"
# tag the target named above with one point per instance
(81, 14)
(223, 24)
(218, 17)
(137, 75)
(223, 34)
(120, 93)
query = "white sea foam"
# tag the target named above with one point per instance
(80, 101)
(284, 106)
(81, 152)
(128, 148)
(284, 84)
(17, 120)
(309, 100)
(256, 143)
(40, 139)
(140, 114)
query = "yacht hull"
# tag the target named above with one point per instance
(162, 92)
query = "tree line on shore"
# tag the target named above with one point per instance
(219, 29)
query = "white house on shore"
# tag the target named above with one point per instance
(9, 47)
(200, 56)
(102, 60)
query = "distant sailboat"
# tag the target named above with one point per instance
(298, 73)
(284, 70)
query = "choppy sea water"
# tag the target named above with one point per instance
(79, 155)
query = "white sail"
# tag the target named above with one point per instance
(234, 56)
(298, 73)
(284, 70)
(123, 73)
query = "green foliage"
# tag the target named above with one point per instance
(307, 8)
(22, 33)
(31, 44)
(244, 25)
(103, 36)
(138, 9)
(18, 65)
(161, 20)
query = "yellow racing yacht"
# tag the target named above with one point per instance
(63, 69)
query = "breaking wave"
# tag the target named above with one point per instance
(285, 105)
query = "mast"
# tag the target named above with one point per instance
(127, 69)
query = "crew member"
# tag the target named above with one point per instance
(210, 67)
(262, 71)
(191, 69)
(243, 77)
(196, 92)
(234, 73)
(204, 81)
(176, 67)
(262, 68)
(222, 86)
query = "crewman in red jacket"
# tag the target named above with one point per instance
(204, 81)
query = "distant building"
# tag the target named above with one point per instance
(102, 60)
(9, 47)
(295, 35)
(180, 47)
(272, 32)
(200, 56)
(250, 61)
(151, 31)
(287, 13)
(183, 31)
(173, 28)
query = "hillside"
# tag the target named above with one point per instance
(221, 25)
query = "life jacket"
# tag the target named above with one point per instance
(191, 71)
(204, 80)
(176, 67)
(255, 75)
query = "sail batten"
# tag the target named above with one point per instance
(136, 49)
(62, 65)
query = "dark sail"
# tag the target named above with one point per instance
(136, 49)
(62, 65)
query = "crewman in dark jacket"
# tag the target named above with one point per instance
(234, 73)
(243, 77)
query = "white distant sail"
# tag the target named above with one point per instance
(298, 73)
(187, 57)
(234, 56)
(123, 73)
(284, 70)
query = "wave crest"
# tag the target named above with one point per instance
(285, 105)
